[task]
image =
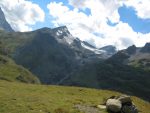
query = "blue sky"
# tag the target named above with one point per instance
(47, 22)
(120, 23)
(48, 18)
(128, 15)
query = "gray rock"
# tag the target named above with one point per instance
(113, 105)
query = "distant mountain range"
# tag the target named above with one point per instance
(137, 57)
(57, 57)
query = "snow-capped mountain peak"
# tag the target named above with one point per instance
(63, 35)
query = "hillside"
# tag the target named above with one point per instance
(55, 57)
(12, 72)
(126, 71)
(41, 52)
(114, 76)
(27, 98)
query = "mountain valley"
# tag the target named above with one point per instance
(40, 69)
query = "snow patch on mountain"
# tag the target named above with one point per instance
(95, 50)
(69, 38)
(59, 32)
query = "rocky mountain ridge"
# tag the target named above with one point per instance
(4, 25)
(134, 56)
(42, 50)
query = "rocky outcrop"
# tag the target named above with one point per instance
(119, 104)
(131, 50)
(146, 48)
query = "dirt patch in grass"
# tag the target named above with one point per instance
(87, 109)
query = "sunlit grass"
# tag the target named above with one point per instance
(27, 98)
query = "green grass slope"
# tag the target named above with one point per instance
(10, 41)
(114, 76)
(12, 72)
(29, 98)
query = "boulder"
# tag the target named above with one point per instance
(113, 105)
(125, 99)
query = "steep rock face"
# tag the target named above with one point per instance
(4, 25)
(46, 57)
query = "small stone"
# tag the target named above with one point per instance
(113, 105)
(102, 107)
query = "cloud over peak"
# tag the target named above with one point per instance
(21, 14)
(94, 26)
(96, 21)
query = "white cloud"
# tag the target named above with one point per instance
(101, 9)
(141, 7)
(21, 14)
(94, 27)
